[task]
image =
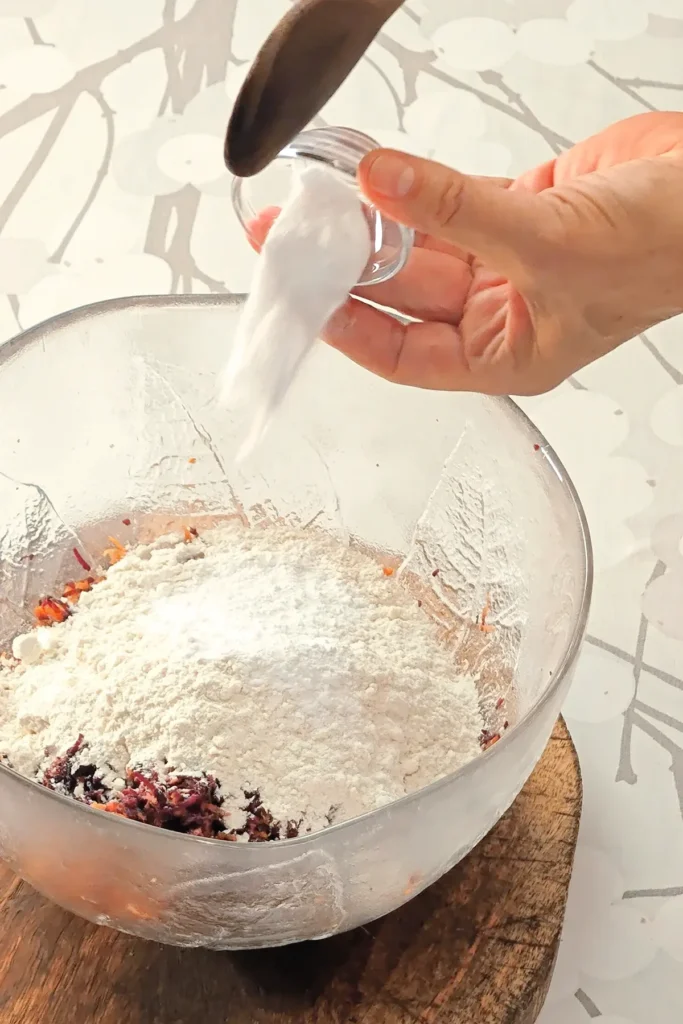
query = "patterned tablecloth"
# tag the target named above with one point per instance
(112, 183)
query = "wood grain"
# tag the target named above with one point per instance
(478, 947)
(300, 66)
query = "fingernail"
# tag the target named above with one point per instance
(391, 176)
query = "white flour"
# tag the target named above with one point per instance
(313, 256)
(276, 659)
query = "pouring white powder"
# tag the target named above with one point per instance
(313, 256)
(276, 659)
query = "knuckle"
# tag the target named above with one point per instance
(449, 201)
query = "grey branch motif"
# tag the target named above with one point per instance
(676, 375)
(587, 1003)
(14, 306)
(174, 86)
(621, 84)
(625, 772)
(635, 894)
(649, 83)
(413, 63)
(659, 716)
(400, 108)
(90, 77)
(652, 670)
(186, 68)
(558, 143)
(179, 209)
(410, 64)
(34, 33)
(575, 383)
(642, 716)
(179, 39)
(108, 115)
(39, 157)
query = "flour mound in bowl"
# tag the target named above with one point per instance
(269, 680)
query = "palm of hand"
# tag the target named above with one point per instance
(563, 300)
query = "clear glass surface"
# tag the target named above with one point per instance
(101, 410)
(341, 150)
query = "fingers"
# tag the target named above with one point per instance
(258, 228)
(390, 349)
(496, 224)
(425, 241)
(257, 231)
(423, 355)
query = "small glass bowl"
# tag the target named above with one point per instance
(340, 149)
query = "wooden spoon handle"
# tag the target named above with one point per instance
(300, 66)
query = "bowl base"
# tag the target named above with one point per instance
(478, 945)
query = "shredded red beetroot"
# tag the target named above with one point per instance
(261, 826)
(179, 803)
(64, 776)
(81, 560)
(169, 800)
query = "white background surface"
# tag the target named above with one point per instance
(112, 183)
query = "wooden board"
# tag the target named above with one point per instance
(478, 947)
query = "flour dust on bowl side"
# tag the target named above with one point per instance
(459, 490)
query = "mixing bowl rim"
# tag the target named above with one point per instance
(563, 668)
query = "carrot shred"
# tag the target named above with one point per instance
(51, 610)
(483, 625)
(116, 552)
(74, 588)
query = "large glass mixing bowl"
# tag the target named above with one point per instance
(103, 413)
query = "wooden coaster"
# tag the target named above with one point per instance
(478, 947)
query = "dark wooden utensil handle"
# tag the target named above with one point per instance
(300, 66)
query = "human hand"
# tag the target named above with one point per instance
(519, 284)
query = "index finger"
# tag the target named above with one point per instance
(424, 241)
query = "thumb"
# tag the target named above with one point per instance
(498, 225)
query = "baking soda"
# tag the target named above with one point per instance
(314, 254)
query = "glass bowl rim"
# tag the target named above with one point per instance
(565, 663)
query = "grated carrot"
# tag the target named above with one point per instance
(116, 552)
